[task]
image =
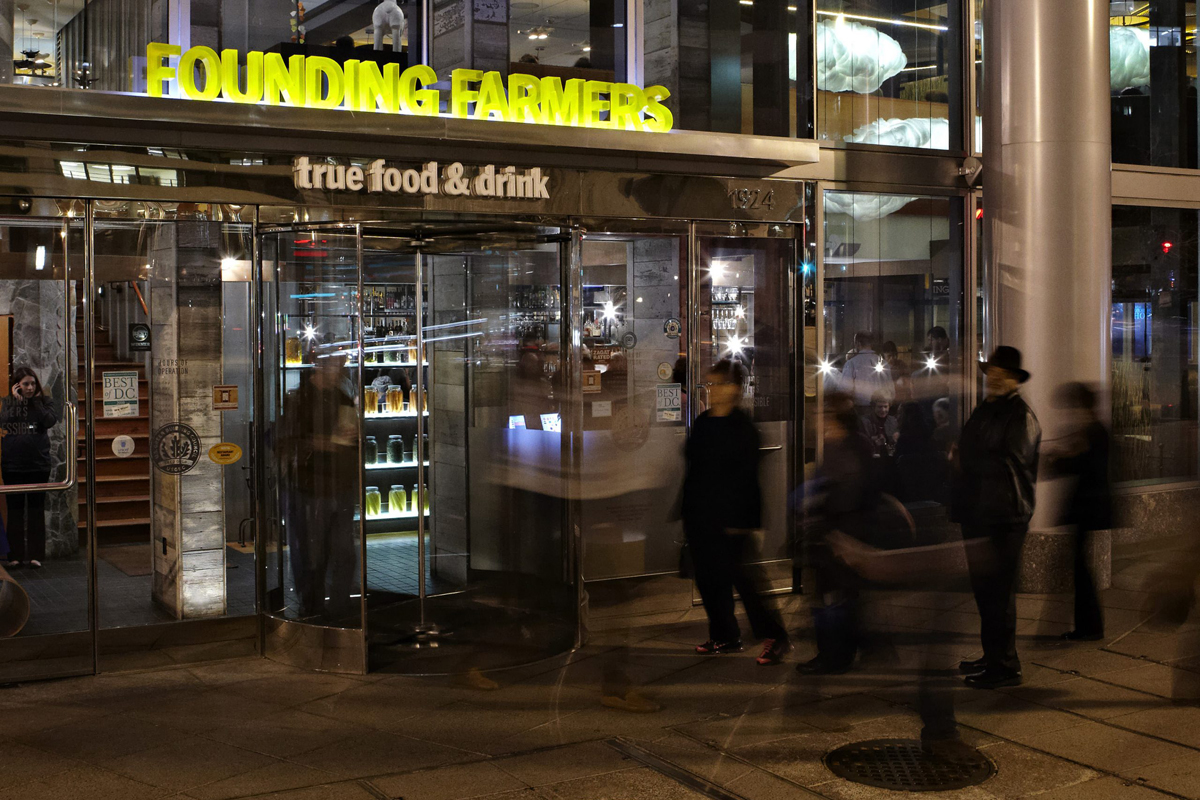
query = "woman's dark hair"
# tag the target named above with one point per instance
(729, 370)
(21, 373)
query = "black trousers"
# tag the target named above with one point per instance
(722, 564)
(1089, 618)
(994, 561)
(26, 516)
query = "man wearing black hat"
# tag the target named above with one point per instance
(996, 470)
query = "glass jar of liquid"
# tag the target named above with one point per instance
(371, 400)
(395, 399)
(425, 497)
(397, 500)
(374, 502)
(395, 450)
(291, 351)
(371, 451)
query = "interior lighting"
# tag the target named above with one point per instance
(735, 345)
(746, 2)
(717, 271)
(39, 258)
(885, 20)
(740, 313)
(931, 363)
(825, 367)
(310, 331)
(879, 367)
(610, 311)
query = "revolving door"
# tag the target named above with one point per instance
(417, 445)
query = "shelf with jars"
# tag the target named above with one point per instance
(401, 503)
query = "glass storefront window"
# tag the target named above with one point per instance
(893, 328)
(735, 66)
(1153, 82)
(889, 72)
(1155, 340)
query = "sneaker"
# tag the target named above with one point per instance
(632, 701)
(711, 648)
(994, 679)
(773, 652)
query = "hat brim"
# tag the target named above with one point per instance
(1021, 374)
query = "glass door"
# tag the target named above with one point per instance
(470, 561)
(744, 286)
(44, 559)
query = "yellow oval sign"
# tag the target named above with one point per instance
(224, 453)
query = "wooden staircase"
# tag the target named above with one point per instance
(122, 484)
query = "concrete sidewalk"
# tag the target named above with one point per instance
(1092, 721)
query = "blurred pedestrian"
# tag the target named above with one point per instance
(847, 499)
(1081, 456)
(26, 416)
(722, 511)
(993, 500)
(865, 373)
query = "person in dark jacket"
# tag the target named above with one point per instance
(849, 493)
(26, 416)
(996, 470)
(319, 450)
(1082, 457)
(722, 509)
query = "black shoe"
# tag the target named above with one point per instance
(1082, 636)
(972, 666)
(956, 751)
(823, 666)
(994, 679)
(711, 648)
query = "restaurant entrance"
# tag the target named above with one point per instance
(419, 421)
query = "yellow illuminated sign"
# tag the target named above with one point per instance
(201, 73)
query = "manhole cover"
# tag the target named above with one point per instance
(902, 765)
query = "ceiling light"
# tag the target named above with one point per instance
(885, 20)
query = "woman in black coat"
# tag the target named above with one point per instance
(26, 415)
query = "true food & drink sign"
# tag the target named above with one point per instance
(454, 179)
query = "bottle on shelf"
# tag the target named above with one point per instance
(425, 498)
(371, 400)
(397, 500)
(374, 502)
(415, 452)
(371, 450)
(395, 399)
(395, 449)
(292, 353)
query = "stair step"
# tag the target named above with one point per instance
(119, 523)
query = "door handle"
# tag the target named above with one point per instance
(771, 447)
(72, 461)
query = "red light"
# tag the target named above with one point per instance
(979, 213)
(1167, 247)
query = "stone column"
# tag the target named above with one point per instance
(1048, 218)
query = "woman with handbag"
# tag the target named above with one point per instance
(722, 509)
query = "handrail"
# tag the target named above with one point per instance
(72, 461)
(137, 290)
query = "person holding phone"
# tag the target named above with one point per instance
(26, 416)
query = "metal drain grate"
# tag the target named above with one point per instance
(902, 765)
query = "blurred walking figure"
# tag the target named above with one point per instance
(865, 373)
(722, 509)
(319, 444)
(847, 498)
(993, 499)
(1082, 456)
(26, 416)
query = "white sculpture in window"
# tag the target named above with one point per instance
(388, 19)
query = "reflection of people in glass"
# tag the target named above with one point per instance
(26, 415)
(1082, 456)
(722, 508)
(880, 427)
(865, 373)
(319, 448)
